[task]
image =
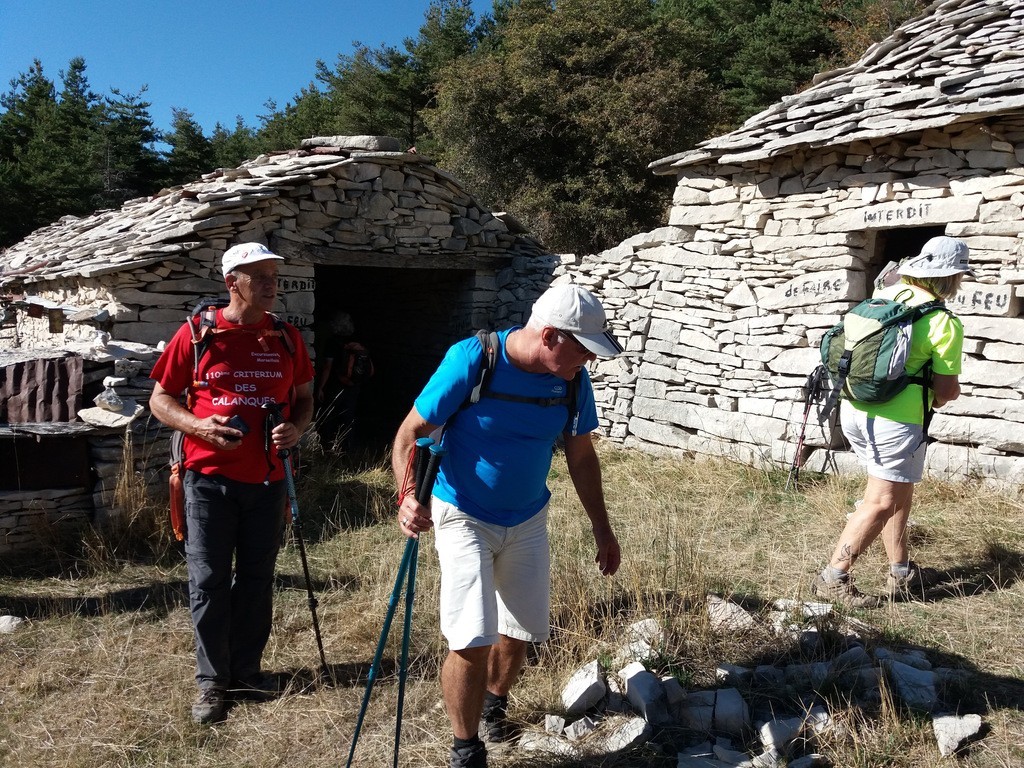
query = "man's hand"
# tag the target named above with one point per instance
(413, 517)
(215, 431)
(609, 556)
(285, 435)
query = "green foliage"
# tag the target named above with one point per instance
(47, 149)
(191, 154)
(780, 51)
(72, 152)
(129, 164)
(547, 120)
(857, 24)
(757, 50)
(378, 91)
(232, 148)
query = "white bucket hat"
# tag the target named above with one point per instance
(940, 257)
(246, 253)
(575, 310)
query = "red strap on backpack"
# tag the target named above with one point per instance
(177, 493)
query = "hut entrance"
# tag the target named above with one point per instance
(897, 244)
(406, 318)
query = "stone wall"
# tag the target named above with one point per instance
(722, 311)
(110, 287)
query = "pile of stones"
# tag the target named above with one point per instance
(765, 716)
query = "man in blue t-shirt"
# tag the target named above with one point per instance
(489, 510)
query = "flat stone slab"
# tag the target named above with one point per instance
(9, 624)
(584, 690)
(369, 143)
(951, 731)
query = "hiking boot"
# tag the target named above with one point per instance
(255, 688)
(495, 727)
(208, 706)
(913, 585)
(473, 756)
(843, 593)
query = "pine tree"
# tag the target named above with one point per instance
(232, 148)
(29, 152)
(191, 154)
(130, 165)
(77, 124)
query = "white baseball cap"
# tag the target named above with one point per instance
(575, 310)
(246, 253)
(940, 257)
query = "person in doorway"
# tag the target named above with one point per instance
(345, 368)
(235, 490)
(489, 509)
(889, 438)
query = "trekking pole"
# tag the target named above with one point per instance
(426, 460)
(425, 465)
(274, 416)
(812, 389)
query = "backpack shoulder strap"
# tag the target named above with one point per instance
(279, 328)
(490, 343)
(938, 305)
(572, 423)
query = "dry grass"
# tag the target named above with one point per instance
(102, 674)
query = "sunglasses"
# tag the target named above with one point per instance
(574, 340)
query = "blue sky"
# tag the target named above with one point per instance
(216, 58)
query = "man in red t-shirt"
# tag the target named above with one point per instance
(235, 491)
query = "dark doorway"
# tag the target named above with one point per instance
(27, 461)
(897, 244)
(406, 318)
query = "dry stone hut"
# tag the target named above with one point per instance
(781, 225)
(367, 229)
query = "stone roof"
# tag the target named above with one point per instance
(959, 60)
(152, 230)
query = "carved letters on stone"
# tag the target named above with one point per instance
(904, 213)
(817, 288)
(982, 299)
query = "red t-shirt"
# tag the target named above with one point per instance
(242, 369)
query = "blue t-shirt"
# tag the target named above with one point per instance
(498, 452)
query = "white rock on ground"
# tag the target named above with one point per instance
(643, 639)
(645, 692)
(579, 729)
(554, 724)
(727, 616)
(620, 734)
(584, 690)
(732, 715)
(674, 693)
(951, 731)
(10, 623)
(732, 757)
(779, 734)
(916, 687)
(533, 741)
(648, 630)
(697, 711)
(733, 674)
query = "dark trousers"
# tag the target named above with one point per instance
(231, 613)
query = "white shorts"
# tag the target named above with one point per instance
(494, 580)
(888, 450)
